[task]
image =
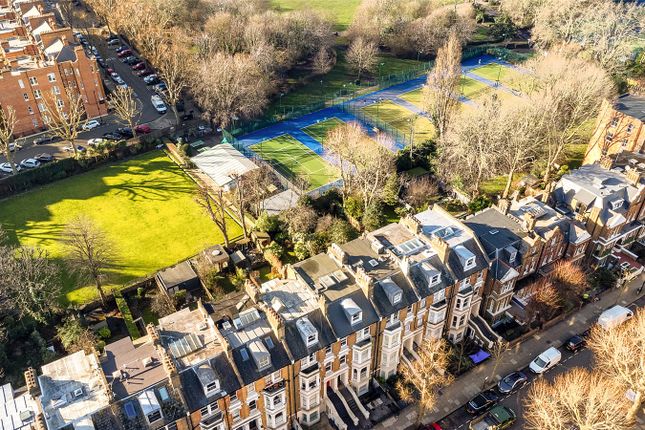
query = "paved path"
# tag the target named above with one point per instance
(469, 384)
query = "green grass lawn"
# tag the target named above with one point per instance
(296, 160)
(341, 11)
(400, 118)
(319, 130)
(145, 206)
(507, 76)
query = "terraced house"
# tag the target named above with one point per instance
(39, 62)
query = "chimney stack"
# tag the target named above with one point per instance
(441, 247)
(529, 221)
(32, 384)
(153, 333)
(634, 176)
(337, 254)
(504, 205)
(606, 162)
(364, 281)
(411, 223)
(275, 320)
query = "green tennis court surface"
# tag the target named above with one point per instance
(507, 76)
(295, 160)
(319, 130)
(403, 120)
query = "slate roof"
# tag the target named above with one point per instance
(296, 344)
(456, 265)
(631, 105)
(421, 283)
(338, 319)
(495, 230)
(192, 387)
(382, 303)
(247, 367)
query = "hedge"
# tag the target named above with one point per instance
(122, 304)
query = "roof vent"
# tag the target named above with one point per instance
(78, 393)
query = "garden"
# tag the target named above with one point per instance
(144, 205)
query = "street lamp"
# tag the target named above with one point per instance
(380, 67)
(281, 95)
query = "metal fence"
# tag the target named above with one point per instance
(379, 125)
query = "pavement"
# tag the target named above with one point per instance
(449, 410)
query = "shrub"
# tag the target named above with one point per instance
(374, 217)
(180, 298)
(127, 315)
(140, 292)
(104, 333)
(268, 223)
(479, 203)
(341, 231)
(354, 207)
(301, 250)
(275, 248)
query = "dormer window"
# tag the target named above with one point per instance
(307, 331)
(392, 291)
(212, 387)
(208, 378)
(260, 354)
(353, 312)
(470, 263)
(617, 204)
(435, 279)
(466, 257)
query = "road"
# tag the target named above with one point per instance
(459, 419)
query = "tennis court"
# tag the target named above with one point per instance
(403, 120)
(507, 76)
(295, 160)
(320, 129)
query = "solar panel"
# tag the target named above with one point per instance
(249, 317)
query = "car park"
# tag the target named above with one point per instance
(498, 418)
(91, 124)
(112, 136)
(139, 66)
(6, 168)
(545, 361)
(44, 157)
(575, 343)
(121, 48)
(30, 163)
(511, 382)
(151, 79)
(124, 53)
(131, 60)
(160, 88)
(101, 62)
(143, 129)
(158, 104)
(482, 402)
(14, 147)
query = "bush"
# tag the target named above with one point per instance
(301, 250)
(268, 223)
(127, 315)
(374, 217)
(479, 203)
(276, 249)
(354, 207)
(180, 298)
(104, 333)
(341, 231)
(424, 156)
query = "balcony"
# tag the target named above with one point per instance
(211, 421)
(275, 388)
(310, 370)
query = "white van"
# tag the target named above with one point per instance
(546, 360)
(158, 104)
(613, 317)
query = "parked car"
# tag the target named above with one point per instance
(498, 418)
(91, 124)
(14, 147)
(30, 163)
(575, 343)
(120, 49)
(94, 50)
(96, 141)
(482, 402)
(124, 53)
(139, 66)
(615, 316)
(158, 104)
(109, 71)
(144, 72)
(125, 132)
(431, 426)
(79, 148)
(112, 135)
(160, 88)
(101, 62)
(6, 168)
(143, 129)
(511, 382)
(187, 116)
(42, 140)
(131, 60)
(118, 79)
(152, 81)
(44, 157)
(546, 360)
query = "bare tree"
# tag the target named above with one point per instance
(544, 301)
(30, 281)
(421, 381)
(215, 208)
(341, 142)
(66, 8)
(570, 280)
(173, 65)
(65, 121)
(75, 337)
(497, 352)
(565, 92)
(471, 142)
(239, 195)
(90, 254)
(517, 136)
(420, 191)
(361, 56)
(521, 12)
(228, 86)
(324, 61)
(125, 107)
(441, 92)
(619, 354)
(577, 399)
(7, 125)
